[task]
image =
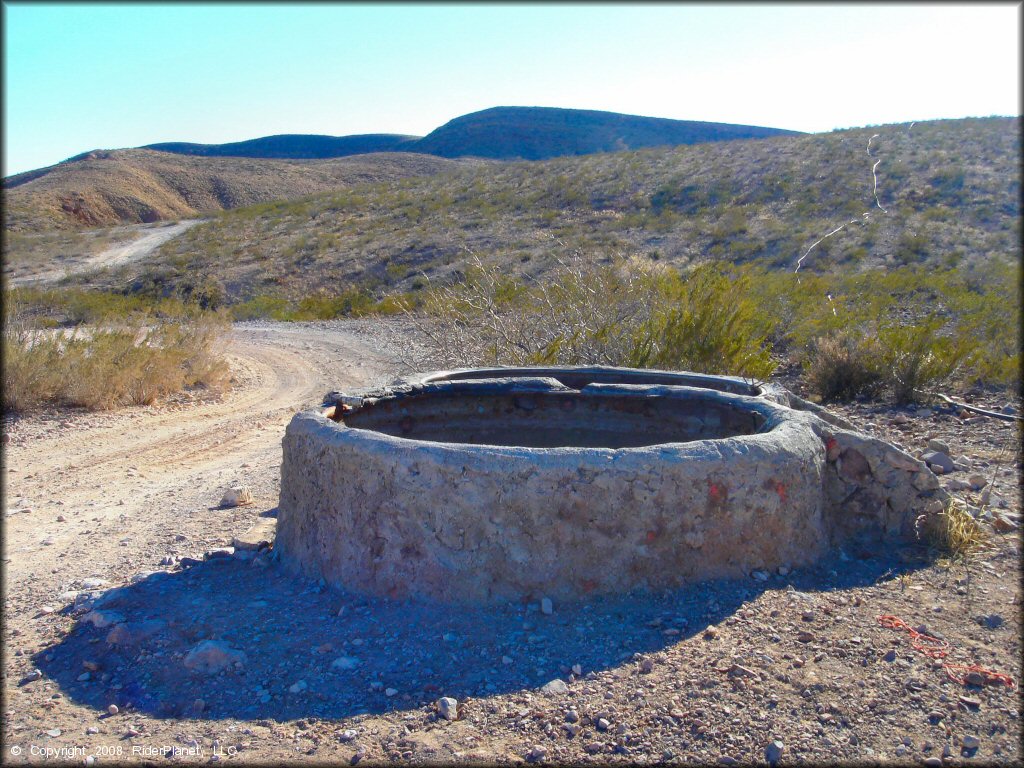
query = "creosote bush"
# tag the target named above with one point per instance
(586, 313)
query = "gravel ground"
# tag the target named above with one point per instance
(185, 652)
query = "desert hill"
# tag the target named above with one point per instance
(539, 133)
(105, 188)
(501, 133)
(294, 146)
(948, 195)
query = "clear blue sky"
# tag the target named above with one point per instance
(90, 75)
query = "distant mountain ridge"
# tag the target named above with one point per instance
(499, 133)
(292, 146)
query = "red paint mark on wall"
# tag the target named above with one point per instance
(651, 536)
(714, 492)
(781, 490)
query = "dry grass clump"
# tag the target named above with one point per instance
(953, 532)
(134, 361)
(842, 366)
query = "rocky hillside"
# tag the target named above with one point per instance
(104, 188)
(948, 194)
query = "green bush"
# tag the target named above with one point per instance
(916, 358)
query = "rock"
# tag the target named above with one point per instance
(890, 655)
(347, 735)
(546, 607)
(103, 619)
(297, 687)
(31, 677)
(506, 660)
(773, 751)
(939, 446)
(239, 496)
(448, 708)
(212, 656)
(389, 692)
(970, 702)
(94, 582)
(1002, 525)
(975, 678)
(1008, 410)
(971, 742)
(933, 762)
(112, 710)
(572, 716)
(345, 662)
(602, 724)
(555, 687)
(53, 732)
(938, 459)
(198, 706)
(759, 576)
(259, 536)
(977, 482)
(537, 754)
(993, 621)
(134, 632)
(222, 554)
(577, 670)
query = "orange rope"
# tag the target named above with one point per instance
(935, 648)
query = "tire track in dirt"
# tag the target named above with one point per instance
(126, 472)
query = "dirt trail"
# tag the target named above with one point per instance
(117, 255)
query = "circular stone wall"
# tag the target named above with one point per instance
(566, 482)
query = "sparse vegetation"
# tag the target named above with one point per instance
(131, 359)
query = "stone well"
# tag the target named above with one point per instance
(498, 484)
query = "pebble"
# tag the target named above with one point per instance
(54, 732)
(345, 662)
(602, 724)
(546, 607)
(112, 709)
(971, 742)
(297, 687)
(389, 692)
(933, 762)
(347, 735)
(447, 707)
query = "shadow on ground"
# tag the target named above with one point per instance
(313, 652)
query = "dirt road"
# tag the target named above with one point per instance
(108, 604)
(143, 240)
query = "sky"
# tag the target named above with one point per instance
(89, 76)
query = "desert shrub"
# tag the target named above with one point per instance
(842, 366)
(260, 307)
(586, 313)
(706, 322)
(916, 358)
(131, 362)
